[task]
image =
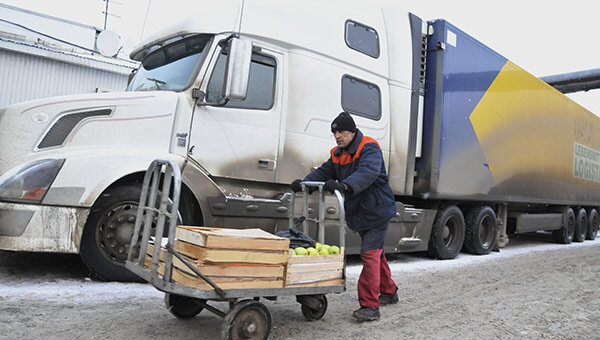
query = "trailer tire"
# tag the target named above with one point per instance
(104, 251)
(592, 224)
(565, 234)
(447, 233)
(481, 230)
(581, 226)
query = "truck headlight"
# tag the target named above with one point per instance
(30, 182)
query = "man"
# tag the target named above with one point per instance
(356, 168)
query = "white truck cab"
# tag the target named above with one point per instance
(240, 97)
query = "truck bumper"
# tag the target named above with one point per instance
(39, 228)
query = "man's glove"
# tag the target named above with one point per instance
(295, 186)
(332, 185)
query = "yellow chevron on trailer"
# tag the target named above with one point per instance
(521, 126)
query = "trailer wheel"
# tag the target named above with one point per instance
(313, 307)
(481, 227)
(182, 307)
(565, 234)
(592, 224)
(581, 226)
(248, 319)
(447, 233)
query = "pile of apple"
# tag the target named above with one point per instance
(320, 249)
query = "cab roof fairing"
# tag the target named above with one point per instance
(213, 18)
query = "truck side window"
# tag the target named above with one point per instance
(361, 97)
(362, 38)
(261, 84)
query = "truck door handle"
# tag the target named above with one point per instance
(266, 164)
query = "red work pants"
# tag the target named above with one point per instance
(375, 278)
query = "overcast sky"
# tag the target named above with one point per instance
(543, 37)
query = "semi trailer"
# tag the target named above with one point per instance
(241, 97)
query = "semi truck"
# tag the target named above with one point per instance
(241, 97)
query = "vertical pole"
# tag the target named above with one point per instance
(105, 14)
(305, 209)
(321, 234)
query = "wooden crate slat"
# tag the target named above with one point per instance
(224, 283)
(314, 276)
(231, 255)
(309, 267)
(335, 282)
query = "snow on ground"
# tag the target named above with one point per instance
(518, 245)
(85, 291)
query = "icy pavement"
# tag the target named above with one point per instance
(518, 245)
(82, 290)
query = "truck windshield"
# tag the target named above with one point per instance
(172, 67)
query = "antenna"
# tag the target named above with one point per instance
(107, 13)
(145, 19)
(241, 16)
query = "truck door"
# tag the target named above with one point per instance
(240, 139)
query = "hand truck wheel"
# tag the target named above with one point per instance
(182, 307)
(248, 319)
(313, 307)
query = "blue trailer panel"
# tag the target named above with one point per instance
(494, 132)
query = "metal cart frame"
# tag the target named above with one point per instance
(186, 302)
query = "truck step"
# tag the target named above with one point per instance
(409, 242)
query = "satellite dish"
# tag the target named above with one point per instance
(107, 43)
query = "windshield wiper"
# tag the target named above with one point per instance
(157, 82)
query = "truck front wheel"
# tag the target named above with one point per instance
(108, 231)
(447, 233)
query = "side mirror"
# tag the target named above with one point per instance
(237, 71)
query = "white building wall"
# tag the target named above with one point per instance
(26, 76)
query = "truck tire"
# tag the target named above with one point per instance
(565, 234)
(581, 226)
(481, 230)
(592, 224)
(108, 230)
(447, 233)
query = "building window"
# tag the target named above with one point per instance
(261, 83)
(361, 97)
(362, 38)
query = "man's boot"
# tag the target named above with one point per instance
(388, 300)
(367, 314)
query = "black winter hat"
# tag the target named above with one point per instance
(343, 122)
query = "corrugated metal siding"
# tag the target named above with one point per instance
(25, 77)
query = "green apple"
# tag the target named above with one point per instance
(334, 250)
(318, 246)
(300, 251)
(323, 251)
(311, 251)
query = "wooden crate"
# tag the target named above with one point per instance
(245, 270)
(314, 270)
(232, 258)
(220, 238)
(191, 280)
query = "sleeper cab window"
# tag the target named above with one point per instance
(361, 97)
(362, 38)
(261, 83)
